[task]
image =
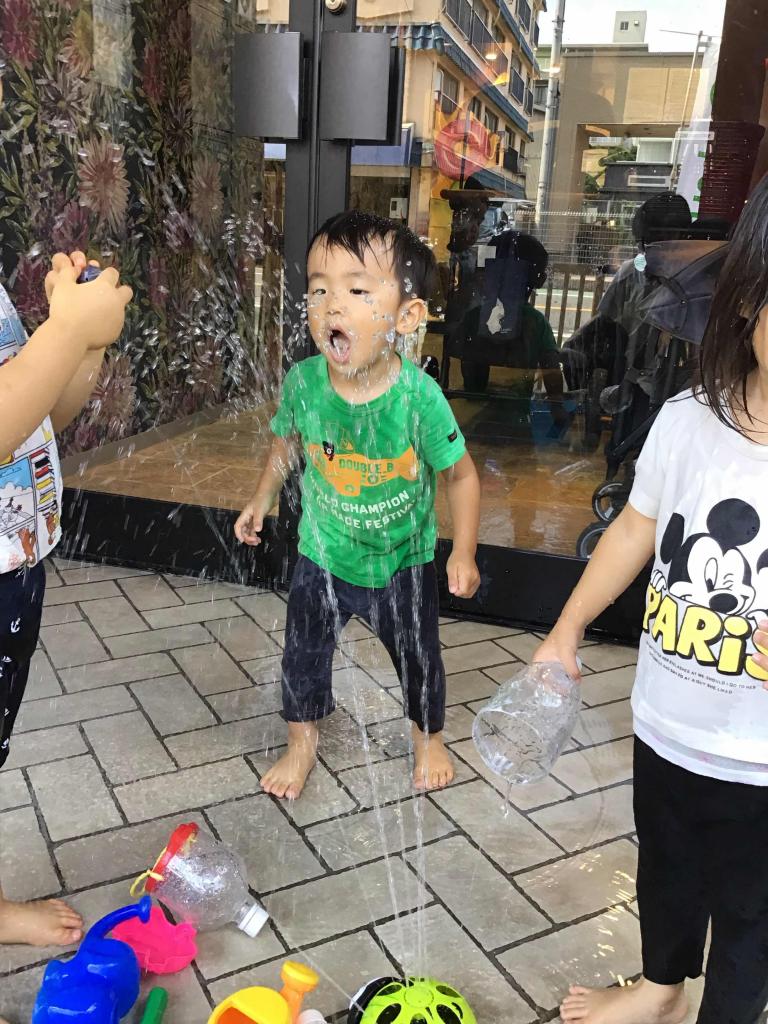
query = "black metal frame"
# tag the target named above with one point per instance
(523, 587)
(527, 588)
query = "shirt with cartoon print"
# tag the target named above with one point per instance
(30, 478)
(698, 698)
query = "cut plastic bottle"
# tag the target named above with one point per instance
(203, 882)
(521, 732)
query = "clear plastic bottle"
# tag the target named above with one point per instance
(520, 733)
(203, 882)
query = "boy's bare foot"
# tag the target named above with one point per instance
(433, 768)
(641, 1003)
(48, 923)
(286, 779)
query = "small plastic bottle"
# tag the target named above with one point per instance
(203, 882)
(520, 733)
(89, 274)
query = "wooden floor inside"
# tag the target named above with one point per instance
(534, 497)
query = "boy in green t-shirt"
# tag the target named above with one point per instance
(374, 431)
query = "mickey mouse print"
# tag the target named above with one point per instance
(706, 486)
(708, 574)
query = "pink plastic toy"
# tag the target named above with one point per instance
(160, 947)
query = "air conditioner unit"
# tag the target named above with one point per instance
(398, 209)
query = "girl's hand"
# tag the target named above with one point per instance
(760, 639)
(561, 646)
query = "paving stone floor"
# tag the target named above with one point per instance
(154, 700)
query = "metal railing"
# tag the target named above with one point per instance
(460, 12)
(528, 102)
(524, 14)
(477, 34)
(564, 280)
(511, 161)
(517, 86)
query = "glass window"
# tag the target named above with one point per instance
(448, 91)
(481, 11)
(533, 350)
(491, 122)
(121, 115)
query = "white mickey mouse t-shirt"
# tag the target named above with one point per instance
(698, 698)
(30, 478)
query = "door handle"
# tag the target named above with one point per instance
(361, 88)
(267, 79)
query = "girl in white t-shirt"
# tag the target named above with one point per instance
(699, 507)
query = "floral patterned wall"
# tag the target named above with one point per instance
(116, 138)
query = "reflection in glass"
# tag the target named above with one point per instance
(636, 119)
(118, 139)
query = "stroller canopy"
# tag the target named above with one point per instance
(687, 273)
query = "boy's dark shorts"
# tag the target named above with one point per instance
(404, 616)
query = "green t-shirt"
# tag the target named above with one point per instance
(368, 491)
(536, 349)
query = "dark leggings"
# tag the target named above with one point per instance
(21, 608)
(703, 849)
(404, 616)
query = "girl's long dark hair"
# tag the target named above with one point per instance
(727, 357)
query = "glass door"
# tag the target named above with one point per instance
(118, 138)
(537, 180)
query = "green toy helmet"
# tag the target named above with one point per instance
(414, 1001)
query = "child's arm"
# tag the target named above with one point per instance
(78, 390)
(464, 502)
(283, 457)
(625, 547)
(80, 387)
(82, 317)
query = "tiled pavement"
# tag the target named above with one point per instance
(154, 700)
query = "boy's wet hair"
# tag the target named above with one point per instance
(413, 262)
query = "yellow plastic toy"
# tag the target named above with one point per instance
(260, 1005)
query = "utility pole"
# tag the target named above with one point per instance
(707, 40)
(550, 116)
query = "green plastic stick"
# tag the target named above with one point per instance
(157, 1001)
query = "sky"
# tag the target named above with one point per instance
(591, 21)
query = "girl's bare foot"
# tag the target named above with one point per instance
(433, 768)
(48, 923)
(286, 779)
(641, 1003)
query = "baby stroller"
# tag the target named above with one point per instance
(657, 316)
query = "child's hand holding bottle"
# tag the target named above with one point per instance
(91, 314)
(562, 646)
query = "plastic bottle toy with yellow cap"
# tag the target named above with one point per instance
(202, 882)
(260, 1005)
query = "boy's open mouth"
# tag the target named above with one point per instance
(339, 346)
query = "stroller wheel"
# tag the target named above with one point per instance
(588, 539)
(609, 499)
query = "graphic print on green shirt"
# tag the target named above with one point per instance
(368, 490)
